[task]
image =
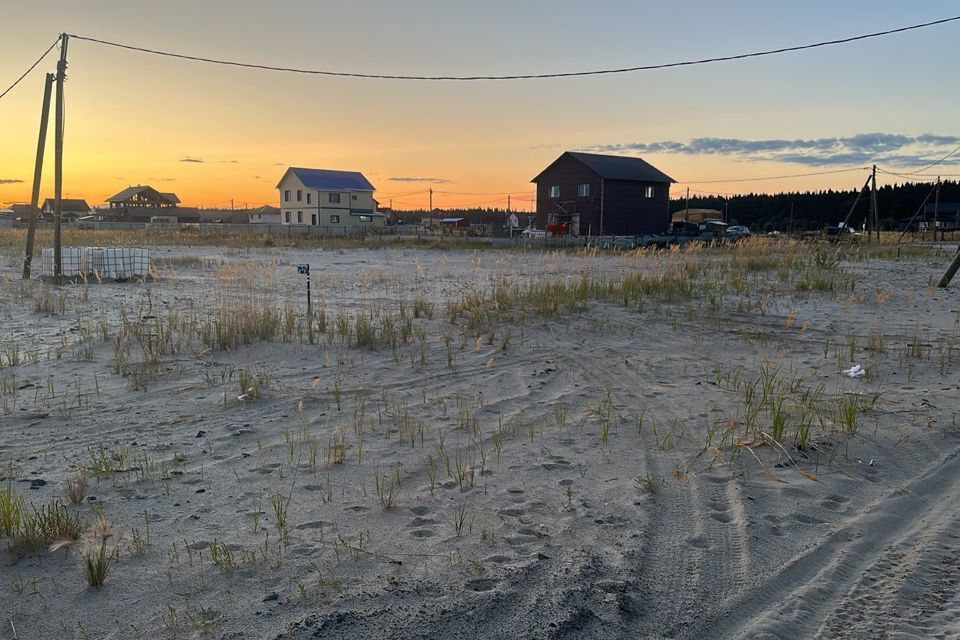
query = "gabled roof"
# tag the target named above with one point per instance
(615, 167)
(325, 179)
(68, 204)
(129, 192)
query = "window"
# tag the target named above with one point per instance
(648, 192)
(365, 218)
(286, 216)
(308, 197)
(286, 196)
(555, 191)
(299, 195)
(334, 219)
(354, 197)
(583, 190)
(333, 198)
(313, 216)
(299, 217)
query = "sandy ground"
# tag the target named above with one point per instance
(577, 492)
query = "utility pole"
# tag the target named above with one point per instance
(58, 165)
(686, 211)
(874, 214)
(37, 172)
(936, 207)
(431, 206)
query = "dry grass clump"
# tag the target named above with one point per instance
(505, 303)
(75, 487)
(11, 510)
(33, 531)
(99, 554)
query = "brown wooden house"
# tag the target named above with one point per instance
(592, 194)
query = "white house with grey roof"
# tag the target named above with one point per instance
(328, 198)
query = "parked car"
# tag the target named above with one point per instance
(737, 232)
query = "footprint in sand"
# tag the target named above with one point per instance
(699, 542)
(722, 517)
(420, 511)
(793, 492)
(422, 522)
(422, 533)
(480, 584)
(805, 519)
(716, 505)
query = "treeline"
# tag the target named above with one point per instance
(816, 209)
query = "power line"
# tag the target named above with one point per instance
(916, 176)
(935, 163)
(568, 74)
(32, 67)
(795, 175)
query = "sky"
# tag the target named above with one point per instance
(213, 134)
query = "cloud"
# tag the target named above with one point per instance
(10, 181)
(228, 161)
(189, 159)
(430, 180)
(863, 148)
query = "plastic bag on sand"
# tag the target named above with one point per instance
(856, 371)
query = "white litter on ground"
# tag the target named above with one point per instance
(856, 371)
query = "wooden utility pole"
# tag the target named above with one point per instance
(58, 164)
(686, 211)
(431, 206)
(874, 213)
(37, 172)
(950, 272)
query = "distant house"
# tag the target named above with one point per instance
(143, 196)
(70, 210)
(146, 204)
(587, 193)
(20, 211)
(327, 198)
(265, 215)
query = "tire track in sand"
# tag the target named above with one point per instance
(891, 569)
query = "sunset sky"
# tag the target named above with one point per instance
(212, 133)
